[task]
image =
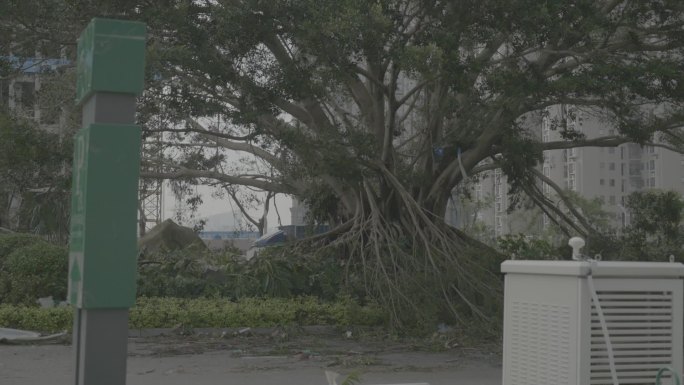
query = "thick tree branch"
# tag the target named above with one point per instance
(185, 173)
(564, 197)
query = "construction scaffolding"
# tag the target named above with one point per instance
(150, 191)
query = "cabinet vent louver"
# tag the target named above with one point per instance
(640, 328)
(540, 337)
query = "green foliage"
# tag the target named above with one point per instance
(656, 215)
(655, 231)
(184, 273)
(34, 271)
(11, 242)
(209, 313)
(52, 320)
(276, 272)
(527, 247)
(32, 172)
(655, 228)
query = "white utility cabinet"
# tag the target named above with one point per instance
(553, 334)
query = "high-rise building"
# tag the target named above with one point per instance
(298, 212)
(608, 174)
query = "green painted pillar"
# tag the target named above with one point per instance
(103, 247)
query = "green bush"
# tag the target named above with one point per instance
(23, 317)
(34, 271)
(209, 313)
(10, 242)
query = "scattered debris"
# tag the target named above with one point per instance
(177, 370)
(279, 333)
(182, 330)
(11, 334)
(15, 336)
(452, 343)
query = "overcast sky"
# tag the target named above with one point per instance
(212, 206)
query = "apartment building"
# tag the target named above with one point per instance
(609, 174)
(19, 93)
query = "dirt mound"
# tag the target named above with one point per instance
(168, 236)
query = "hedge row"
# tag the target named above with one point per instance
(208, 313)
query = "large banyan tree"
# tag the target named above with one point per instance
(374, 111)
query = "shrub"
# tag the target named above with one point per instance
(23, 317)
(209, 313)
(34, 271)
(10, 242)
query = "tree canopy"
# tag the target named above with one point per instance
(374, 111)
(34, 189)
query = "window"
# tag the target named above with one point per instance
(651, 165)
(611, 166)
(602, 165)
(611, 200)
(651, 182)
(602, 182)
(622, 153)
(612, 183)
(611, 150)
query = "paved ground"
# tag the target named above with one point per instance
(266, 360)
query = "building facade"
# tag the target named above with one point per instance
(609, 174)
